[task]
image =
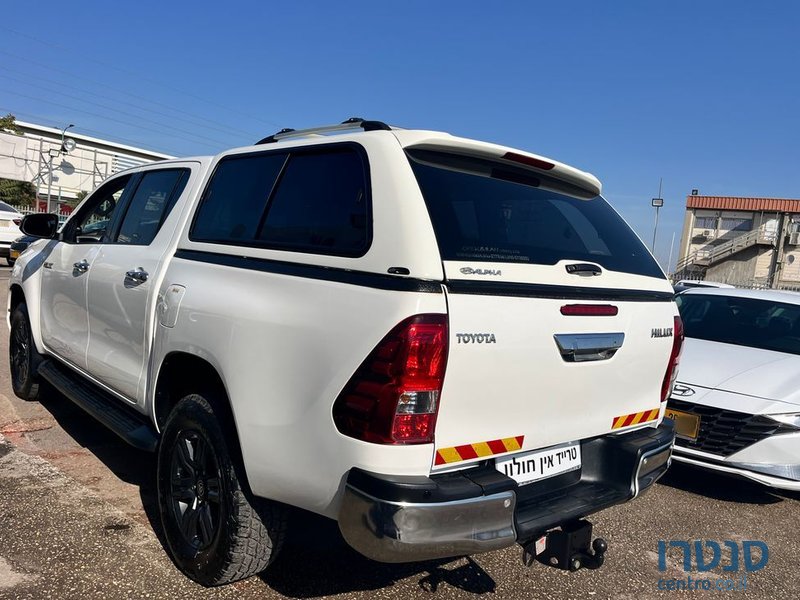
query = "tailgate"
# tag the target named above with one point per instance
(520, 370)
(529, 260)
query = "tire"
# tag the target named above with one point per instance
(215, 530)
(23, 358)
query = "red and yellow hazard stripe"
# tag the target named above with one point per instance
(635, 418)
(478, 450)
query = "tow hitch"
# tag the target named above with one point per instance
(569, 548)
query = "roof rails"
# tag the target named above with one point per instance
(350, 123)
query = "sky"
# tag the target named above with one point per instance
(701, 94)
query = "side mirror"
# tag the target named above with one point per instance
(41, 225)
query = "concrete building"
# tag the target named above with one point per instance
(60, 172)
(753, 242)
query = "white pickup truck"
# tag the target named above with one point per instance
(446, 345)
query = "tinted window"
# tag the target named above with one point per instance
(90, 225)
(236, 197)
(319, 205)
(487, 211)
(311, 201)
(742, 321)
(155, 196)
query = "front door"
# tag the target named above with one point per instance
(65, 273)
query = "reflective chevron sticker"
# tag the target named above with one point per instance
(635, 418)
(478, 450)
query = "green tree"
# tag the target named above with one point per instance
(17, 193)
(73, 202)
(8, 124)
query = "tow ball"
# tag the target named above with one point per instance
(569, 548)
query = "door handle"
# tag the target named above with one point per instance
(581, 347)
(138, 275)
(82, 266)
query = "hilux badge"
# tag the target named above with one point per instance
(658, 332)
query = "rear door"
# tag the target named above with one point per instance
(560, 319)
(123, 280)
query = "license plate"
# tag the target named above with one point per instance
(541, 464)
(687, 425)
(13, 253)
(5, 223)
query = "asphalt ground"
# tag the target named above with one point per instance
(78, 520)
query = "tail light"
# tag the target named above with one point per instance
(393, 397)
(674, 359)
(17, 222)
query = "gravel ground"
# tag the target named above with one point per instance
(77, 520)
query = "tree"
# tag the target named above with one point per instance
(73, 202)
(17, 193)
(8, 124)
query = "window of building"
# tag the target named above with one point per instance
(728, 224)
(705, 223)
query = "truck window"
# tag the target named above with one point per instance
(320, 205)
(484, 210)
(306, 201)
(152, 201)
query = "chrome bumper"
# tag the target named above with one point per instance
(407, 532)
(406, 519)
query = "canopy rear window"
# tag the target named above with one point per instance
(489, 211)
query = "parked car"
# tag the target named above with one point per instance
(10, 218)
(736, 403)
(447, 346)
(685, 284)
(18, 246)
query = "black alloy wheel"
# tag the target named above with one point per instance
(195, 489)
(23, 357)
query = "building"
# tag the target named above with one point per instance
(753, 242)
(59, 168)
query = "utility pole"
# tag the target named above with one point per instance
(656, 203)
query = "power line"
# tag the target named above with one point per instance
(106, 117)
(127, 72)
(116, 110)
(199, 122)
(101, 134)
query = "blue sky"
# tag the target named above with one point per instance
(703, 94)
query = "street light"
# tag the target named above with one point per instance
(656, 203)
(54, 152)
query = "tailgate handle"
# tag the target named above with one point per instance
(584, 269)
(584, 347)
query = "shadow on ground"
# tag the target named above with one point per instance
(722, 487)
(315, 560)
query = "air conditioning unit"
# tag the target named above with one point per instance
(794, 238)
(706, 233)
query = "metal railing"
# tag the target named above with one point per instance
(707, 256)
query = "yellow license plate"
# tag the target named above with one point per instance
(687, 425)
(14, 253)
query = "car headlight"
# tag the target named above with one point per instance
(792, 419)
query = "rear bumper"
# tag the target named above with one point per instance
(406, 519)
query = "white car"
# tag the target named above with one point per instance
(446, 345)
(10, 218)
(736, 403)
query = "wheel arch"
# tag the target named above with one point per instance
(183, 373)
